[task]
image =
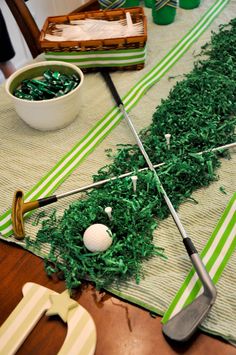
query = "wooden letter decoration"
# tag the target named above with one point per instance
(81, 332)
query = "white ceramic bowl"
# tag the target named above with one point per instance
(50, 114)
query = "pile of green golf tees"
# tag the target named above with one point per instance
(200, 114)
(53, 84)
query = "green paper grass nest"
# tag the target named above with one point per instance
(200, 114)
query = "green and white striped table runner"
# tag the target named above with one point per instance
(49, 183)
(215, 256)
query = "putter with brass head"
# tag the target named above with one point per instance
(185, 323)
(19, 207)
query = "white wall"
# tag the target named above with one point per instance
(44, 8)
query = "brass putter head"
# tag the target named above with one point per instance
(17, 215)
(19, 208)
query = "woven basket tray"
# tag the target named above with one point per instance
(126, 53)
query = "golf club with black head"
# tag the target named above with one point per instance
(183, 325)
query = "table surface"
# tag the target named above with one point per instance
(122, 328)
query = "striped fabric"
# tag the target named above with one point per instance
(214, 256)
(91, 59)
(162, 3)
(111, 4)
(55, 177)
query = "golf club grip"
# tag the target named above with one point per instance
(112, 87)
(47, 200)
(200, 268)
(189, 246)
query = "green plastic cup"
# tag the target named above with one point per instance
(189, 4)
(163, 16)
(132, 3)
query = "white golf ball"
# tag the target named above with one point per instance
(97, 237)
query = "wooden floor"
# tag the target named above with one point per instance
(122, 328)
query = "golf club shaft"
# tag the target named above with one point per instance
(47, 200)
(189, 246)
(160, 187)
(151, 167)
(101, 182)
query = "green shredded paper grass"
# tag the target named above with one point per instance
(200, 114)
